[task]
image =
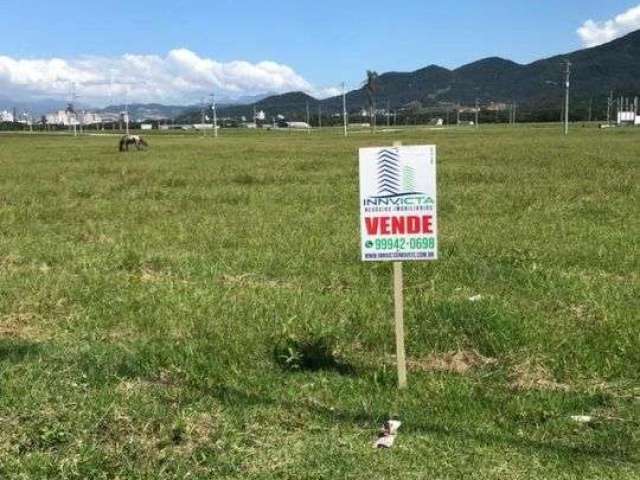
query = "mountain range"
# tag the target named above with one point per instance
(612, 67)
(538, 86)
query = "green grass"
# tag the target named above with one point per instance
(199, 310)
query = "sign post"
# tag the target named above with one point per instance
(398, 302)
(398, 217)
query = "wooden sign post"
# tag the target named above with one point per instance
(398, 300)
(398, 218)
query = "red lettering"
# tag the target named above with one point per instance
(397, 225)
(384, 226)
(372, 225)
(427, 224)
(413, 225)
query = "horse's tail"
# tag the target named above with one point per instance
(122, 143)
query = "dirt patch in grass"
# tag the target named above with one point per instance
(193, 432)
(150, 276)
(10, 263)
(165, 380)
(459, 362)
(251, 280)
(532, 375)
(156, 442)
(21, 326)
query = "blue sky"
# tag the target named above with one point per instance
(321, 42)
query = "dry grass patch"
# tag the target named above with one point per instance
(165, 380)
(532, 375)
(151, 276)
(10, 263)
(459, 362)
(21, 325)
(252, 280)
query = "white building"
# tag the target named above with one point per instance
(62, 117)
(203, 126)
(298, 125)
(628, 118)
(66, 118)
(88, 118)
(6, 116)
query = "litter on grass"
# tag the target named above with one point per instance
(387, 435)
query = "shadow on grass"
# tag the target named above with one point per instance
(14, 351)
(312, 355)
(237, 398)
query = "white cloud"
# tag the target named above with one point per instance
(180, 76)
(595, 33)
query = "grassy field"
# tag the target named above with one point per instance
(199, 310)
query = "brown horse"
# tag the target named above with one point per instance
(135, 140)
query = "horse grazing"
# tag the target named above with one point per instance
(136, 140)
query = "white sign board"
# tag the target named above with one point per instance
(398, 217)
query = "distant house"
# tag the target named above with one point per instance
(627, 118)
(203, 126)
(297, 125)
(496, 107)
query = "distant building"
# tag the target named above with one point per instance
(68, 117)
(109, 117)
(62, 117)
(297, 125)
(87, 118)
(627, 118)
(496, 107)
(6, 116)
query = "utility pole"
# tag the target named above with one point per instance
(73, 117)
(609, 105)
(590, 108)
(203, 116)
(126, 110)
(477, 112)
(566, 97)
(319, 115)
(388, 113)
(215, 115)
(344, 109)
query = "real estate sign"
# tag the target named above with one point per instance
(398, 214)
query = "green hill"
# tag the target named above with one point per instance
(614, 66)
